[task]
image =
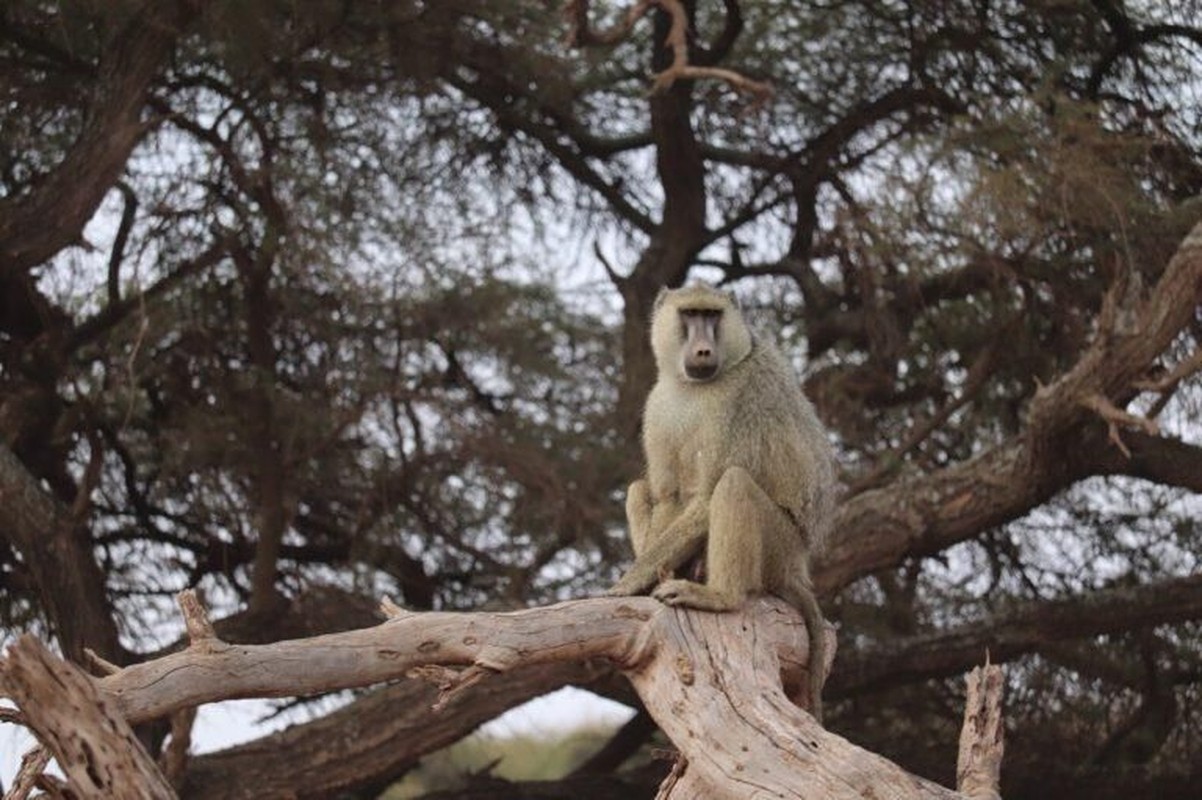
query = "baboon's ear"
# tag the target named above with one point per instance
(734, 300)
(660, 298)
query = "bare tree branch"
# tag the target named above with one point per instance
(1161, 459)
(33, 765)
(582, 35)
(372, 741)
(923, 514)
(1008, 635)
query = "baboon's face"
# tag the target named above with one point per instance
(701, 355)
(697, 334)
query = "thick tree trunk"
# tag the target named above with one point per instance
(57, 551)
(681, 231)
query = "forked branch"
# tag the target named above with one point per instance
(582, 34)
(1116, 417)
(715, 683)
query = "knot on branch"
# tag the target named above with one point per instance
(450, 682)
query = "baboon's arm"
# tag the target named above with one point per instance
(666, 551)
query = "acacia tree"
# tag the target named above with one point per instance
(288, 317)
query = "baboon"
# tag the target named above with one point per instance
(736, 460)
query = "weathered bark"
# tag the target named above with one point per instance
(979, 763)
(82, 726)
(483, 643)
(713, 683)
(738, 734)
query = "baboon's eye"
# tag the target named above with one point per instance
(701, 313)
(707, 317)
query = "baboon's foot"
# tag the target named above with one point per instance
(694, 595)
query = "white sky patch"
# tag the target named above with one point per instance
(559, 712)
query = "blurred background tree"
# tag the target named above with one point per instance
(306, 303)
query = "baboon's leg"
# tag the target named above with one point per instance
(752, 547)
(638, 514)
(745, 528)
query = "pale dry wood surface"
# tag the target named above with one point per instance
(80, 725)
(713, 682)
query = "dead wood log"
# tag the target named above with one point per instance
(715, 683)
(80, 725)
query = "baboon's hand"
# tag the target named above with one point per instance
(677, 593)
(636, 581)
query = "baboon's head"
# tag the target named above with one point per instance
(697, 332)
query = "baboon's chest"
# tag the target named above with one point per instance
(690, 430)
